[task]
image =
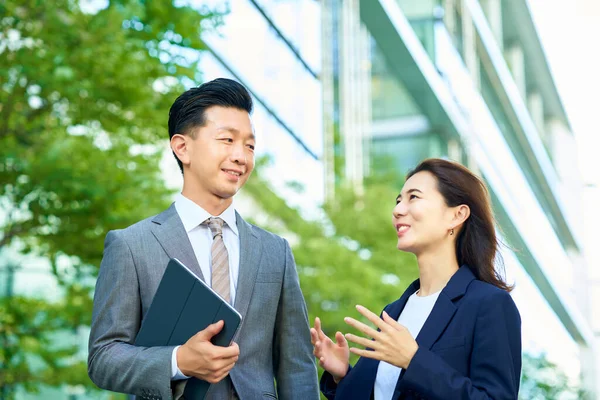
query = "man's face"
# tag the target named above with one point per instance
(220, 155)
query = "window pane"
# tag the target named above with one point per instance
(249, 47)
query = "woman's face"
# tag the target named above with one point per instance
(421, 217)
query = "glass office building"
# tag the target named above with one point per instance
(411, 79)
(469, 80)
(406, 79)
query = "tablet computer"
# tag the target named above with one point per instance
(182, 306)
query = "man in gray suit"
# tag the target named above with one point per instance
(213, 141)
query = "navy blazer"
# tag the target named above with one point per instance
(469, 348)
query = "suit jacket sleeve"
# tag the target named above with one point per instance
(293, 361)
(495, 359)
(114, 363)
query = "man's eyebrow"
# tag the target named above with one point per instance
(235, 131)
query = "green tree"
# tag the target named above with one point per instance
(348, 257)
(84, 99)
(541, 379)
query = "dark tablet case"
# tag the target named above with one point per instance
(182, 306)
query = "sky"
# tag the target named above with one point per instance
(569, 31)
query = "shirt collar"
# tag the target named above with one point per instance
(192, 214)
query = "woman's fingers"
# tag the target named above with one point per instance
(366, 353)
(340, 339)
(314, 337)
(371, 316)
(361, 341)
(367, 330)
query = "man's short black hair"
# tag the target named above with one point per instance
(188, 111)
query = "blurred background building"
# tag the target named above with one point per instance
(405, 80)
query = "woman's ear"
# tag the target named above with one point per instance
(461, 213)
(179, 147)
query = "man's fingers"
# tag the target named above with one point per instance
(234, 347)
(207, 333)
(226, 352)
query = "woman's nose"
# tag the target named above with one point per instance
(399, 210)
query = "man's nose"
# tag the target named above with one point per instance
(238, 155)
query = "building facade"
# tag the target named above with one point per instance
(469, 80)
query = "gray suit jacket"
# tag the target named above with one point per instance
(274, 337)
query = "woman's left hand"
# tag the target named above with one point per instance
(393, 343)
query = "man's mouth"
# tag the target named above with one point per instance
(233, 172)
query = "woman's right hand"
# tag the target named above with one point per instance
(333, 357)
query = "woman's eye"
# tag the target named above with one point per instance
(228, 140)
(251, 146)
(413, 196)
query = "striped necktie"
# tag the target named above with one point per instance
(220, 259)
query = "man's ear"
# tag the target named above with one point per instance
(180, 149)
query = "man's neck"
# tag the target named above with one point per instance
(214, 205)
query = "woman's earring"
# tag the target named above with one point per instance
(451, 231)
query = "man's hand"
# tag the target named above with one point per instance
(199, 358)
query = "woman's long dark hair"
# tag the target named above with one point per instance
(476, 244)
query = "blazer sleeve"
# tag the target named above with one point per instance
(114, 363)
(495, 366)
(293, 360)
(328, 386)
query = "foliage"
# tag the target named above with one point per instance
(84, 100)
(353, 246)
(541, 379)
(29, 329)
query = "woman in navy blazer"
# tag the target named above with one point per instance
(468, 339)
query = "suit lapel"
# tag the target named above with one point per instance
(168, 229)
(250, 255)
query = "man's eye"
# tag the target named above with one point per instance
(251, 146)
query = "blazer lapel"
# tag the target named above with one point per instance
(363, 375)
(396, 307)
(250, 255)
(444, 307)
(168, 229)
(442, 312)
